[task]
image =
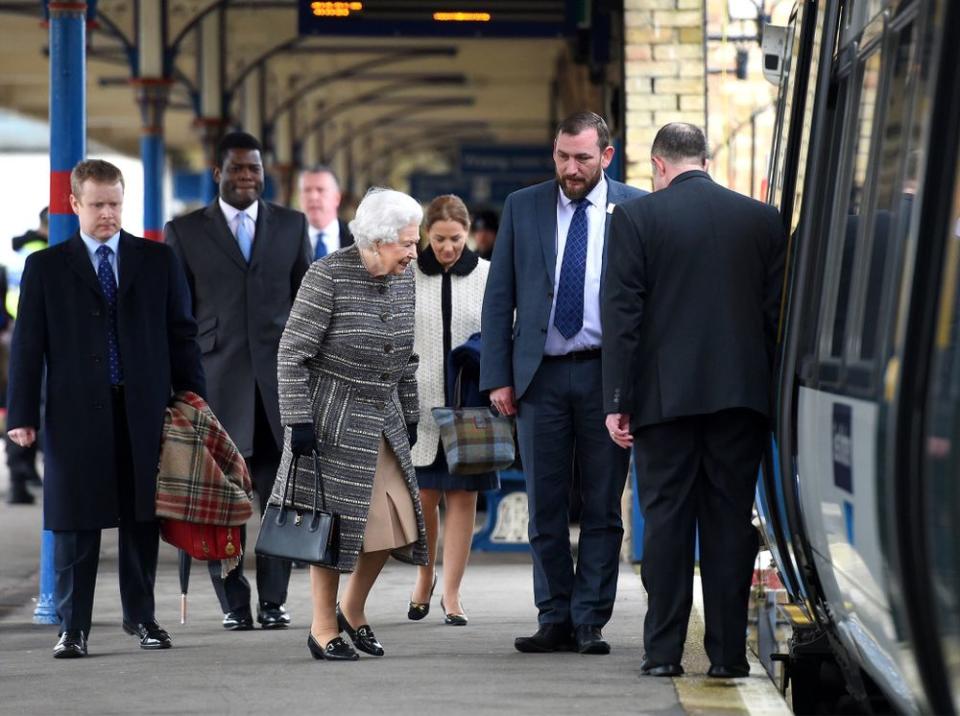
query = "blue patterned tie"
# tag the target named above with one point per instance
(321, 249)
(568, 316)
(108, 284)
(244, 235)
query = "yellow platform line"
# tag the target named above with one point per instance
(756, 695)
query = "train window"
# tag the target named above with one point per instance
(894, 199)
(849, 225)
(788, 84)
(808, 108)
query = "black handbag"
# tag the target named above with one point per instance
(292, 533)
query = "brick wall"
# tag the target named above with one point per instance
(664, 74)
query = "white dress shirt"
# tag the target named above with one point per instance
(92, 245)
(331, 237)
(230, 213)
(589, 335)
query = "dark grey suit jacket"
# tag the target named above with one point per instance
(241, 309)
(691, 302)
(521, 280)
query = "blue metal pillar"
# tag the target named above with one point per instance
(68, 137)
(152, 96)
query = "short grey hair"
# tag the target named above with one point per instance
(382, 214)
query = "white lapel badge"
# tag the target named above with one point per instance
(610, 207)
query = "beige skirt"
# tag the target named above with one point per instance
(391, 522)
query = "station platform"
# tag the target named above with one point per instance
(429, 668)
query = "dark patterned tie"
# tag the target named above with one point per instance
(568, 316)
(321, 249)
(108, 284)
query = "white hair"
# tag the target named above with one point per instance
(382, 214)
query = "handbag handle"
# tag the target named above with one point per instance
(318, 481)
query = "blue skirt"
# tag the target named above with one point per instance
(437, 477)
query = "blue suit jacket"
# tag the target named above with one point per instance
(521, 279)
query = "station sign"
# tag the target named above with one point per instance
(518, 160)
(439, 18)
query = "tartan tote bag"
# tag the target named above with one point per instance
(475, 440)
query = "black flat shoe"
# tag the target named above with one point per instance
(648, 668)
(718, 671)
(590, 640)
(272, 616)
(418, 610)
(71, 645)
(150, 634)
(335, 650)
(238, 621)
(547, 639)
(362, 637)
(453, 619)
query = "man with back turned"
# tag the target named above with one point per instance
(690, 310)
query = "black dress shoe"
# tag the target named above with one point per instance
(418, 610)
(717, 671)
(335, 650)
(20, 495)
(71, 645)
(451, 618)
(590, 640)
(362, 637)
(238, 621)
(151, 634)
(648, 668)
(272, 616)
(548, 638)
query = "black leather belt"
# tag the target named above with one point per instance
(576, 356)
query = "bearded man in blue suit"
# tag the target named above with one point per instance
(541, 362)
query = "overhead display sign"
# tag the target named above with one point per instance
(438, 18)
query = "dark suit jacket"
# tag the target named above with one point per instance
(346, 238)
(241, 309)
(62, 322)
(522, 279)
(691, 302)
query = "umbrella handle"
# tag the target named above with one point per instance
(183, 608)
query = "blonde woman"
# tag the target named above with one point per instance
(450, 281)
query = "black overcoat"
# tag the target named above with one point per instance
(241, 308)
(62, 322)
(691, 302)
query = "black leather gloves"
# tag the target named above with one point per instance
(303, 441)
(412, 433)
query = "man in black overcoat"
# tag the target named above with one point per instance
(114, 352)
(244, 259)
(690, 311)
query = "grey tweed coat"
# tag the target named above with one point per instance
(346, 364)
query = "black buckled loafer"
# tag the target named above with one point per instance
(362, 637)
(237, 621)
(719, 671)
(590, 640)
(547, 639)
(648, 668)
(71, 645)
(272, 616)
(150, 634)
(335, 650)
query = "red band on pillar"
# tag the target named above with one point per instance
(60, 193)
(153, 234)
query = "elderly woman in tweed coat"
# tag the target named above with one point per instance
(348, 390)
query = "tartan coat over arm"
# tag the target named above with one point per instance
(346, 364)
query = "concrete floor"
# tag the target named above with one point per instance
(430, 668)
